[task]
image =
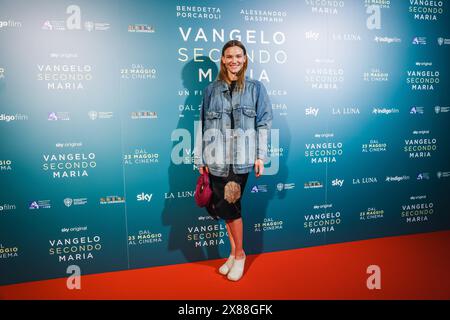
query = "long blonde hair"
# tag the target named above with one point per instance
(223, 74)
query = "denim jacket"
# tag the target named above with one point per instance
(220, 145)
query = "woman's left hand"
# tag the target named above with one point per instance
(259, 167)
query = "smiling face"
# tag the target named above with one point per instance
(233, 60)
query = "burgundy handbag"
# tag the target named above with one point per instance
(203, 191)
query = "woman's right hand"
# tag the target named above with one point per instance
(202, 169)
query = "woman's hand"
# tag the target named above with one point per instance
(259, 167)
(202, 169)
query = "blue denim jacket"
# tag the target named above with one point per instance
(221, 146)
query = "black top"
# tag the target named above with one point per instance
(231, 87)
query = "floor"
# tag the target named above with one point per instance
(410, 267)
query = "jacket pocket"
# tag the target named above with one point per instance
(211, 115)
(248, 118)
(212, 120)
(249, 112)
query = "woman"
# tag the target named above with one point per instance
(236, 118)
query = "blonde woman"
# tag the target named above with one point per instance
(236, 118)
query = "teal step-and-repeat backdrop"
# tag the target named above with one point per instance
(99, 100)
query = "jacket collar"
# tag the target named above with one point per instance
(223, 85)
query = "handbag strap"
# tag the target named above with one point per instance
(205, 178)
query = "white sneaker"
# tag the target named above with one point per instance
(225, 268)
(237, 270)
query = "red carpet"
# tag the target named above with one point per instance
(412, 267)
